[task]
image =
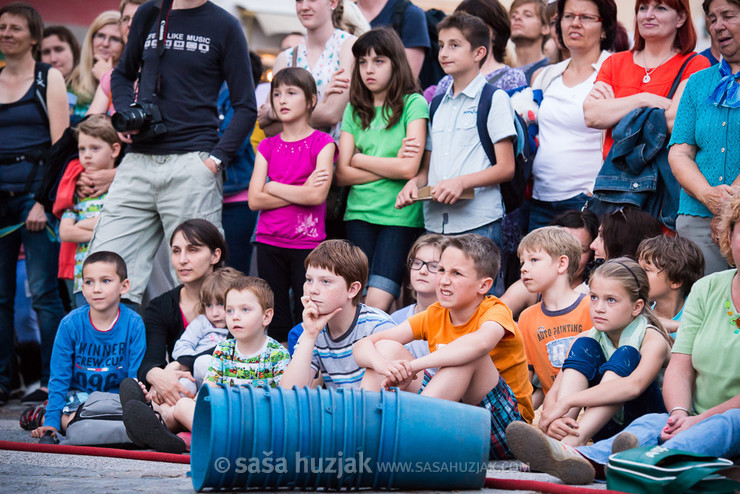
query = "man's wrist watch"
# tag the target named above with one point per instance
(219, 163)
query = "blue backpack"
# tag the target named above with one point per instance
(514, 190)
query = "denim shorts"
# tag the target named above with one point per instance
(386, 248)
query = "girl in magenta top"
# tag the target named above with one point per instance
(292, 175)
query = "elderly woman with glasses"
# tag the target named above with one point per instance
(704, 154)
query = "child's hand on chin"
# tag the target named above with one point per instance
(313, 321)
(39, 432)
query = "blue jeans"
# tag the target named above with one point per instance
(386, 248)
(42, 264)
(238, 222)
(542, 213)
(586, 357)
(719, 435)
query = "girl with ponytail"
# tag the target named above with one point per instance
(611, 371)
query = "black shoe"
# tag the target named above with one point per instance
(130, 390)
(146, 429)
(37, 396)
(48, 438)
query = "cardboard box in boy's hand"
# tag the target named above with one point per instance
(425, 194)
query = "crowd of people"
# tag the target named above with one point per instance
(395, 243)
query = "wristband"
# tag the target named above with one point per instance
(678, 408)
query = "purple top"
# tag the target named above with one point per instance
(291, 163)
(506, 78)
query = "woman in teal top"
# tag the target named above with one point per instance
(380, 148)
(704, 155)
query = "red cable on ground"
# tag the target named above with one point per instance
(535, 485)
(92, 451)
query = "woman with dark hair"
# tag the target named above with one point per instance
(29, 125)
(569, 154)
(60, 49)
(622, 231)
(197, 250)
(664, 39)
(494, 69)
(704, 154)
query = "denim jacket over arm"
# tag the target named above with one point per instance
(636, 170)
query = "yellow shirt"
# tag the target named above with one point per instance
(434, 326)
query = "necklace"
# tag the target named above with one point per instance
(646, 79)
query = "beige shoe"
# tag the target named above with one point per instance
(548, 455)
(624, 441)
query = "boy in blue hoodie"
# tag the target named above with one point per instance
(96, 346)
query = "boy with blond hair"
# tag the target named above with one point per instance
(474, 343)
(550, 259)
(333, 318)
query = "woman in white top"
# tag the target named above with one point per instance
(324, 51)
(569, 154)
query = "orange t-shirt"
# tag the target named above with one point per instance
(434, 326)
(549, 334)
(625, 78)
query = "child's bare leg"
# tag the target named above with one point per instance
(167, 413)
(65, 420)
(593, 418)
(538, 397)
(184, 412)
(469, 383)
(571, 383)
(392, 350)
(378, 298)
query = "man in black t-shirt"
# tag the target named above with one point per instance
(165, 180)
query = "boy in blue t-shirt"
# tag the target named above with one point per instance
(458, 162)
(96, 346)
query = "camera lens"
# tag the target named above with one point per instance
(128, 120)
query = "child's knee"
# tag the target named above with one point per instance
(393, 350)
(623, 361)
(586, 357)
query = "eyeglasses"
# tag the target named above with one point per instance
(111, 39)
(416, 265)
(584, 18)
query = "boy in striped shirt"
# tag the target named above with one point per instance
(333, 318)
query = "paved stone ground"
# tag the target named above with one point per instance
(51, 473)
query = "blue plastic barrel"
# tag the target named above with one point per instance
(302, 438)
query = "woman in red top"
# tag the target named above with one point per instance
(664, 39)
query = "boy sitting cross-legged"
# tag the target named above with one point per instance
(474, 343)
(333, 318)
(97, 346)
(550, 259)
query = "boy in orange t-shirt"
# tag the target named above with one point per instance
(550, 258)
(474, 343)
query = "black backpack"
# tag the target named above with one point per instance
(431, 70)
(514, 190)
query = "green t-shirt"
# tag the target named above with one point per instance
(711, 336)
(375, 202)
